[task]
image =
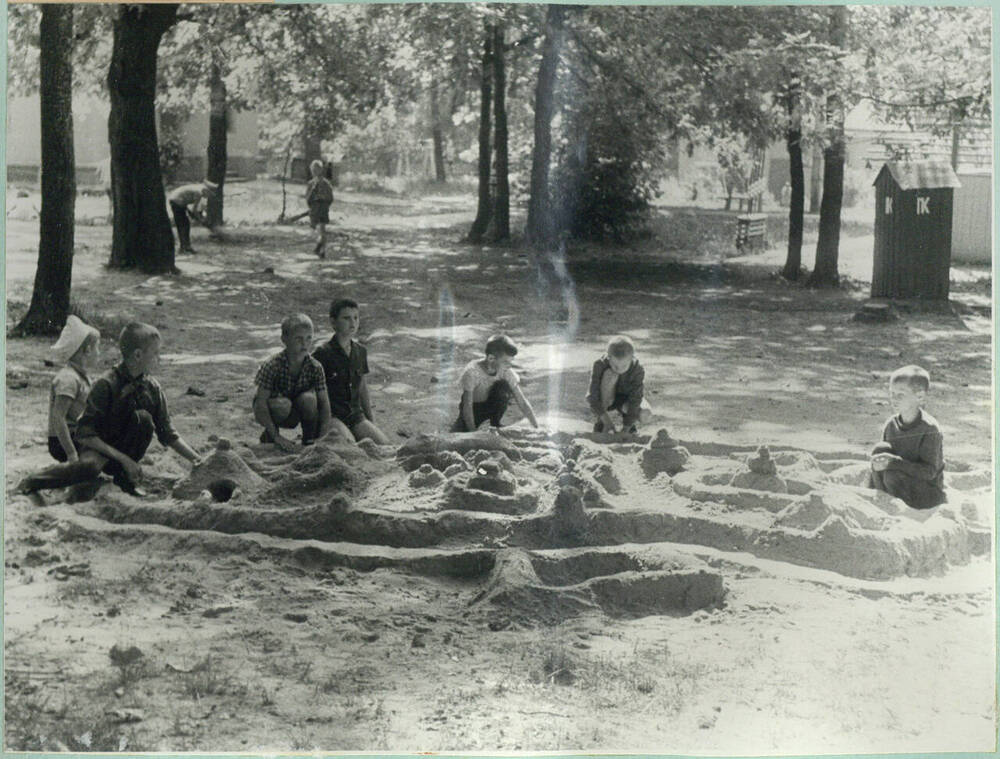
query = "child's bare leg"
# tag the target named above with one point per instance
(87, 467)
(367, 429)
(321, 240)
(307, 408)
(341, 430)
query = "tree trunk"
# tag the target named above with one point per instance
(217, 157)
(815, 179)
(437, 135)
(312, 150)
(142, 237)
(828, 245)
(53, 277)
(796, 206)
(540, 231)
(501, 200)
(483, 210)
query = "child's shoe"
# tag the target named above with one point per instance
(598, 426)
(265, 437)
(129, 487)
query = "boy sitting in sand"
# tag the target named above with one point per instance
(488, 384)
(125, 407)
(617, 384)
(291, 388)
(909, 462)
(345, 364)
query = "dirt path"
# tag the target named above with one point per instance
(250, 643)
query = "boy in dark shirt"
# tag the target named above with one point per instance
(909, 462)
(345, 364)
(125, 408)
(617, 384)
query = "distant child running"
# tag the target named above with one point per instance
(345, 364)
(185, 201)
(125, 408)
(291, 388)
(617, 384)
(488, 384)
(319, 198)
(909, 462)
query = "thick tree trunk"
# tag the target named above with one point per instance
(50, 298)
(217, 156)
(484, 209)
(501, 200)
(828, 245)
(437, 136)
(142, 237)
(540, 230)
(825, 272)
(796, 178)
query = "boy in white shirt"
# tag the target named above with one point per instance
(488, 384)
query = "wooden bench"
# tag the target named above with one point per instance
(751, 230)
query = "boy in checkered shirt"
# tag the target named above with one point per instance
(291, 388)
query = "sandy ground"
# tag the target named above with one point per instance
(254, 642)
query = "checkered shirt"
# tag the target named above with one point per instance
(275, 376)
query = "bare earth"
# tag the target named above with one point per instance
(574, 597)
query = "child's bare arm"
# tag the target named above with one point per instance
(183, 449)
(366, 403)
(262, 413)
(325, 417)
(60, 407)
(524, 405)
(467, 415)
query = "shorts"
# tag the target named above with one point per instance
(319, 213)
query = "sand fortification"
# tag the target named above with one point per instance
(523, 495)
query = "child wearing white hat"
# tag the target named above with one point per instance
(78, 348)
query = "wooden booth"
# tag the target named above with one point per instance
(913, 215)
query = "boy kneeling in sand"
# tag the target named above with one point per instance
(617, 384)
(125, 408)
(291, 388)
(488, 384)
(909, 462)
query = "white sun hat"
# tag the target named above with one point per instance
(71, 338)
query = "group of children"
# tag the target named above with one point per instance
(106, 426)
(188, 202)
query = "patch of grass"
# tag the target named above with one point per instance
(32, 724)
(556, 665)
(131, 664)
(206, 678)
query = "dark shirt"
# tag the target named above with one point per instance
(921, 446)
(112, 399)
(319, 191)
(344, 373)
(628, 388)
